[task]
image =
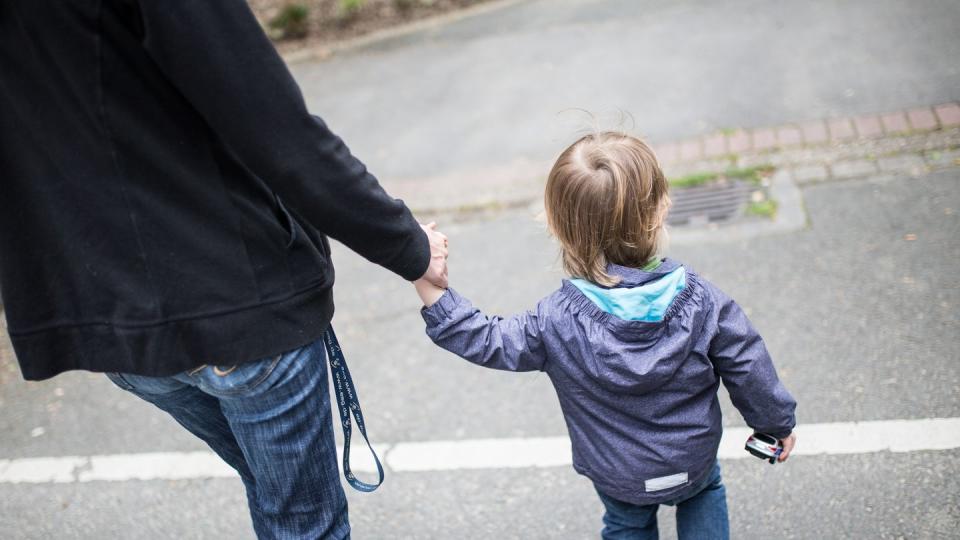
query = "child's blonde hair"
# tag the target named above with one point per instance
(606, 201)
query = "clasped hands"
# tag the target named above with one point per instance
(431, 285)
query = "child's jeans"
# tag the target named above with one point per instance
(701, 514)
(271, 421)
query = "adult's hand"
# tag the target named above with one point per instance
(437, 271)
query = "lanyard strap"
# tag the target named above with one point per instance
(348, 403)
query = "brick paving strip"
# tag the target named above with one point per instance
(913, 142)
(910, 142)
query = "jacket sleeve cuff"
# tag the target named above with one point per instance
(442, 309)
(414, 263)
(781, 434)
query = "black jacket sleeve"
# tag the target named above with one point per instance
(216, 54)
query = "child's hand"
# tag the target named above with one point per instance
(788, 443)
(437, 270)
(429, 293)
(431, 286)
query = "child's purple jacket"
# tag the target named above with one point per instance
(639, 398)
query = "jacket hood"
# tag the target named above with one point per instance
(643, 342)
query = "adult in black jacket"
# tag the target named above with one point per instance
(165, 199)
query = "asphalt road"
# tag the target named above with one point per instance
(504, 86)
(862, 324)
(860, 310)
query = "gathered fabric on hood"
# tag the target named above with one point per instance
(647, 302)
(636, 368)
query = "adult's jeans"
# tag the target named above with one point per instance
(701, 514)
(271, 421)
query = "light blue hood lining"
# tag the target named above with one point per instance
(648, 302)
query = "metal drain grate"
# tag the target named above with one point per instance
(711, 203)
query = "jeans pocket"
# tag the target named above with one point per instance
(143, 385)
(231, 380)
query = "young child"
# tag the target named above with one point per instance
(635, 345)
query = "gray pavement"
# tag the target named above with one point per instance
(860, 309)
(490, 89)
(862, 324)
(875, 496)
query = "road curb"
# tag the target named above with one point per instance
(913, 152)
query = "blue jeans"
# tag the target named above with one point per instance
(701, 514)
(271, 421)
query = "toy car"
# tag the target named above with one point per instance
(764, 447)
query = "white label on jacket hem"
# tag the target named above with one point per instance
(665, 482)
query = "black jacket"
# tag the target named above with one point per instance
(164, 193)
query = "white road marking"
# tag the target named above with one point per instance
(480, 454)
(40, 470)
(814, 439)
(155, 466)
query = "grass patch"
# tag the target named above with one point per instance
(751, 174)
(692, 180)
(748, 174)
(291, 22)
(766, 208)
